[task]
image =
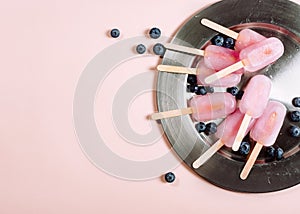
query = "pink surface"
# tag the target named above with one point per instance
(45, 46)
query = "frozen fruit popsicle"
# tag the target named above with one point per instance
(265, 132)
(253, 103)
(253, 58)
(215, 58)
(243, 39)
(226, 133)
(203, 108)
(227, 81)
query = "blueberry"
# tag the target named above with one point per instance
(279, 153)
(115, 33)
(170, 177)
(211, 128)
(192, 88)
(218, 40)
(192, 79)
(296, 101)
(154, 33)
(209, 89)
(233, 91)
(270, 151)
(200, 127)
(140, 48)
(239, 95)
(201, 90)
(244, 148)
(295, 116)
(229, 43)
(295, 131)
(159, 49)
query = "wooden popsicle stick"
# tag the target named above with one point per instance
(224, 72)
(241, 133)
(208, 154)
(172, 113)
(220, 28)
(184, 49)
(177, 69)
(250, 162)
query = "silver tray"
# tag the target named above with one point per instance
(279, 18)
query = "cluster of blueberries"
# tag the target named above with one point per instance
(295, 117)
(154, 33)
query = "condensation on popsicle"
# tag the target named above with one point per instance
(253, 103)
(265, 132)
(203, 108)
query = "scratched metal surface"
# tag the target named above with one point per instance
(278, 18)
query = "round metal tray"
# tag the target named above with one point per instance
(279, 18)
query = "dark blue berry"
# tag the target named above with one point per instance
(296, 101)
(295, 131)
(140, 48)
(218, 40)
(211, 128)
(270, 152)
(244, 148)
(192, 88)
(155, 33)
(169, 177)
(115, 33)
(209, 89)
(192, 79)
(200, 127)
(159, 49)
(279, 153)
(239, 95)
(229, 43)
(201, 90)
(295, 116)
(233, 91)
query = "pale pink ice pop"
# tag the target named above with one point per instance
(203, 108)
(212, 106)
(226, 133)
(265, 132)
(253, 103)
(227, 81)
(253, 58)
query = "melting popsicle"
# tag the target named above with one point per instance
(265, 132)
(253, 103)
(203, 108)
(243, 39)
(226, 133)
(253, 58)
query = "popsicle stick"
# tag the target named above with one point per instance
(177, 69)
(172, 113)
(250, 162)
(241, 133)
(224, 72)
(184, 49)
(208, 154)
(220, 28)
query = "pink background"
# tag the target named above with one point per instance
(44, 47)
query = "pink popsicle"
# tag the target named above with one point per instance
(265, 132)
(212, 106)
(227, 81)
(253, 58)
(253, 103)
(247, 38)
(226, 133)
